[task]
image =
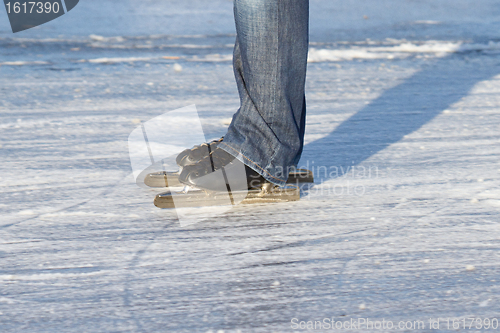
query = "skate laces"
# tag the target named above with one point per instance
(195, 154)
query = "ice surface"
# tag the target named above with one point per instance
(403, 137)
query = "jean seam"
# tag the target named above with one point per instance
(257, 165)
(278, 62)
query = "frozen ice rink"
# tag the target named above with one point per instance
(403, 99)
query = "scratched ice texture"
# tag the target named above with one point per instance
(402, 223)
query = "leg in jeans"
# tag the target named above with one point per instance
(270, 59)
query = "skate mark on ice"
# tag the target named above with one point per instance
(107, 191)
(317, 241)
(129, 278)
(127, 286)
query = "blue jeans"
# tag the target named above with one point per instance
(270, 60)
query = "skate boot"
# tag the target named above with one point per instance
(195, 154)
(220, 171)
(220, 179)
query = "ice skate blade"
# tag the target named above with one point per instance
(162, 179)
(167, 178)
(200, 198)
